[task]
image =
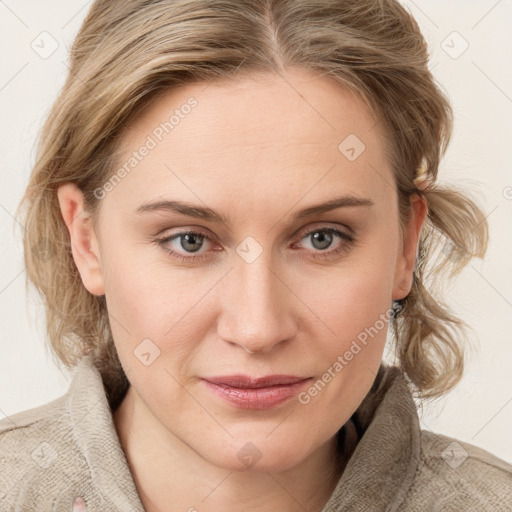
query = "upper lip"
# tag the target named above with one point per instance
(244, 381)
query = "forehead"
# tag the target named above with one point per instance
(249, 106)
(292, 133)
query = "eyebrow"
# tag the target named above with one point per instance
(207, 214)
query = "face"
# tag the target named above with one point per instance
(242, 282)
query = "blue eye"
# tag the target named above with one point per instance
(192, 241)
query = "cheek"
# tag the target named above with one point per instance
(354, 295)
(154, 336)
(356, 307)
(143, 293)
(156, 315)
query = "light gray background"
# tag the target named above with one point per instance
(479, 84)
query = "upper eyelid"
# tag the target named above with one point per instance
(300, 233)
(325, 226)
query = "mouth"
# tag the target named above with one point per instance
(243, 381)
(256, 393)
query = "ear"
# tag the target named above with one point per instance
(408, 248)
(84, 244)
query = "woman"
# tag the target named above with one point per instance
(241, 198)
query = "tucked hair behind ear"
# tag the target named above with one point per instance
(127, 51)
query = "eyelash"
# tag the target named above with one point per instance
(349, 240)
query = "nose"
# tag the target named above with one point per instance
(257, 307)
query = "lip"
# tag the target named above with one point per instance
(246, 382)
(256, 392)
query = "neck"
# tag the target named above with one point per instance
(169, 475)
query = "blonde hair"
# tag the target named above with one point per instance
(127, 51)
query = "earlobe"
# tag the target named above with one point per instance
(408, 250)
(84, 243)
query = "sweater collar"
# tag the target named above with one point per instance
(96, 437)
(383, 465)
(379, 472)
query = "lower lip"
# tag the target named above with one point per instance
(260, 398)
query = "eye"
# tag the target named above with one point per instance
(191, 242)
(322, 238)
(188, 241)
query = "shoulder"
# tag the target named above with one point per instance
(66, 448)
(33, 444)
(43, 459)
(21, 432)
(33, 419)
(457, 475)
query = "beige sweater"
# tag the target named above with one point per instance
(69, 447)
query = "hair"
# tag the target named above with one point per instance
(128, 51)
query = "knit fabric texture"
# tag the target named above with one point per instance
(69, 448)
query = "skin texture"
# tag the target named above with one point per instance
(79, 505)
(256, 150)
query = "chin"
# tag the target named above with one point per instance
(255, 455)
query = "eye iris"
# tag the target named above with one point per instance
(194, 239)
(323, 237)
